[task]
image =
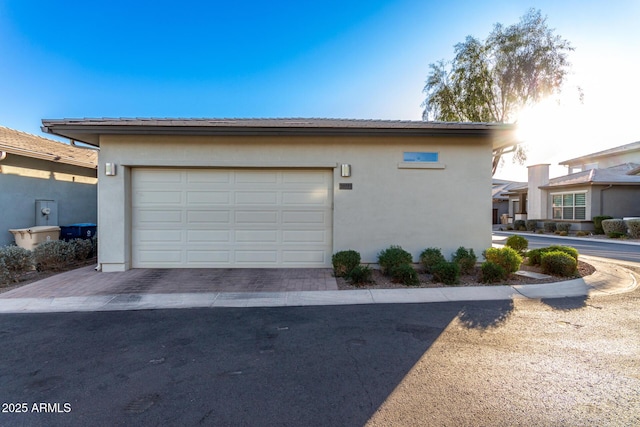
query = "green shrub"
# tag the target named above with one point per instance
(14, 261)
(534, 256)
(360, 275)
(506, 257)
(518, 243)
(549, 227)
(344, 261)
(82, 248)
(430, 257)
(559, 263)
(562, 233)
(53, 255)
(615, 235)
(405, 274)
(492, 272)
(597, 223)
(446, 272)
(519, 225)
(393, 256)
(540, 232)
(466, 259)
(634, 228)
(614, 226)
(563, 226)
(581, 233)
(531, 224)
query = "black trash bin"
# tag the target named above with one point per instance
(85, 230)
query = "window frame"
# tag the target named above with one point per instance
(563, 208)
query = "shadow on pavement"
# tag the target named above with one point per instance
(307, 366)
(566, 304)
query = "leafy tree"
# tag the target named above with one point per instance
(492, 80)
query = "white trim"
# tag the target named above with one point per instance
(420, 165)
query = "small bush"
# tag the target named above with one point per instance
(519, 225)
(53, 255)
(534, 256)
(446, 272)
(518, 243)
(430, 257)
(405, 274)
(581, 233)
(558, 263)
(540, 232)
(615, 235)
(506, 257)
(344, 261)
(393, 256)
(597, 223)
(563, 226)
(466, 259)
(562, 233)
(82, 248)
(549, 227)
(531, 224)
(14, 261)
(614, 226)
(360, 275)
(634, 228)
(492, 273)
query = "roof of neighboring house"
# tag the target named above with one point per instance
(89, 130)
(501, 188)
(623, 174)
(27, 145)
(623, 149)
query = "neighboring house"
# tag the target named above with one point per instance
(285, 192)
(602, 183)
(36, 171)
(503, 209)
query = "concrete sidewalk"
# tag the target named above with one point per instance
(610, 278)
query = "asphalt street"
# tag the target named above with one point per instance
(571, 361)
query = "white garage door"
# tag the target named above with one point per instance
(231, 218)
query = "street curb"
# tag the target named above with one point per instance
(580, 239)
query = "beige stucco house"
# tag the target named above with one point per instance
(603, 183)
(285, 192)
(37, 173)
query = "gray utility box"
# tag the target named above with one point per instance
(46, 212)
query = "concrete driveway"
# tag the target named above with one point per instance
(88, 282)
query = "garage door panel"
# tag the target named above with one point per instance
(208, 197)
(208, 176)
(256, 217)
(225, 218)
(304, 217)
(304, 257)
(256, 256)
(256, 198)
(208, 216)
(195, 236)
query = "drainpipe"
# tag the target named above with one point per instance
(602, 198)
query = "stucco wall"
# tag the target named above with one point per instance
(618, 201)
(414, 208)
(25, 180)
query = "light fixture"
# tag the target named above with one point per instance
(110, 169)
(345, 170)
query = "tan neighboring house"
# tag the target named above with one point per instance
(602, 183)
(177, 193)
(37, 172)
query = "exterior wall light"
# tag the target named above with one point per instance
(345, 170)
(110, 169)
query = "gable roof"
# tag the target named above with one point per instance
(623, 149)
(89, 130)
(615, 175)
(502, 188)
(27, 145)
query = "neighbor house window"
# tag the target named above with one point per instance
(569, 206)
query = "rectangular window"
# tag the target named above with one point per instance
(569, 206)
(410, 156)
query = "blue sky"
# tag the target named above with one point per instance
(345, 59)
